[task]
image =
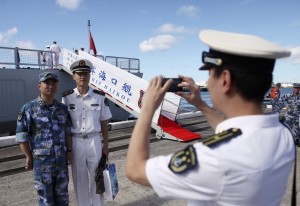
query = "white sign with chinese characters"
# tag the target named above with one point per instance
(122, 87)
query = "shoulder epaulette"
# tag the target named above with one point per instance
(99, 92)
(66, 93)
(218, 138)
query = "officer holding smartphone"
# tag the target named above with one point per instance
(252, 166)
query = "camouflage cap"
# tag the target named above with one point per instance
(47, 75)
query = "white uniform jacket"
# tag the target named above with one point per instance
(85, 111)
(250, 169)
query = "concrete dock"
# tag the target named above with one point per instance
(17, 187)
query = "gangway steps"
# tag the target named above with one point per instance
(126, 90)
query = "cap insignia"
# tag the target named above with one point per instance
(82, 63)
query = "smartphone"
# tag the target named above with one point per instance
(174, 87)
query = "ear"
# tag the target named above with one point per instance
(226, 81)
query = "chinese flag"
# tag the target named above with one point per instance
(92, 45)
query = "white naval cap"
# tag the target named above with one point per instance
(81, 65)
(240, 52)
(297, 85)
(47, 46)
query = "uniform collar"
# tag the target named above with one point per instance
(42, 103)
(296, 95)
(257, 121)
(76, 92)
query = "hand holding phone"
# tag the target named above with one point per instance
(174, 87)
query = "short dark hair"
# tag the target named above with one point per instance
(250, 86)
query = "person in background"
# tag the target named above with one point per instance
(17, 58)
(275, 92)
(47, 57)
(252, 163)
(44, 134)
(56, 51)
(291, 102)
(90, 114)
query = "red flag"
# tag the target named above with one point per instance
(92, 45)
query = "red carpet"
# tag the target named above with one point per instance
(176, 130)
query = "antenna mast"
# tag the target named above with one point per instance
(89, 33)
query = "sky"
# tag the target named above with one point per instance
(163, 34)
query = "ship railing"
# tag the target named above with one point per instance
(125, 63)
(17, 58)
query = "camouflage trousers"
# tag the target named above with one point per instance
(52, 187)
(293, 122)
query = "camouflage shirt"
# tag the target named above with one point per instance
(290, 101)
(46, 128)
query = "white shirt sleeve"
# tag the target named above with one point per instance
(203, 183)
(105, 111)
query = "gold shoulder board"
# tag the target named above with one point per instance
(218, 138)
(99, 92)
(66, 93)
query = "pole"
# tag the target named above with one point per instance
(89, 33)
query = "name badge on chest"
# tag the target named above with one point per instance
(72, 106)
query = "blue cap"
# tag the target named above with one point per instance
(47, 75)
(296, 84)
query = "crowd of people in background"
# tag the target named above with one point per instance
(291, 102)
(50, 56)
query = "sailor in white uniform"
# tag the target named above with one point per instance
(249, 159)
(48, 57)
(56, 51)
(89, 113)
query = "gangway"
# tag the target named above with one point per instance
(126, 90)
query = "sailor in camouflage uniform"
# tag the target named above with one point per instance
(292, 103)
(44, 134)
